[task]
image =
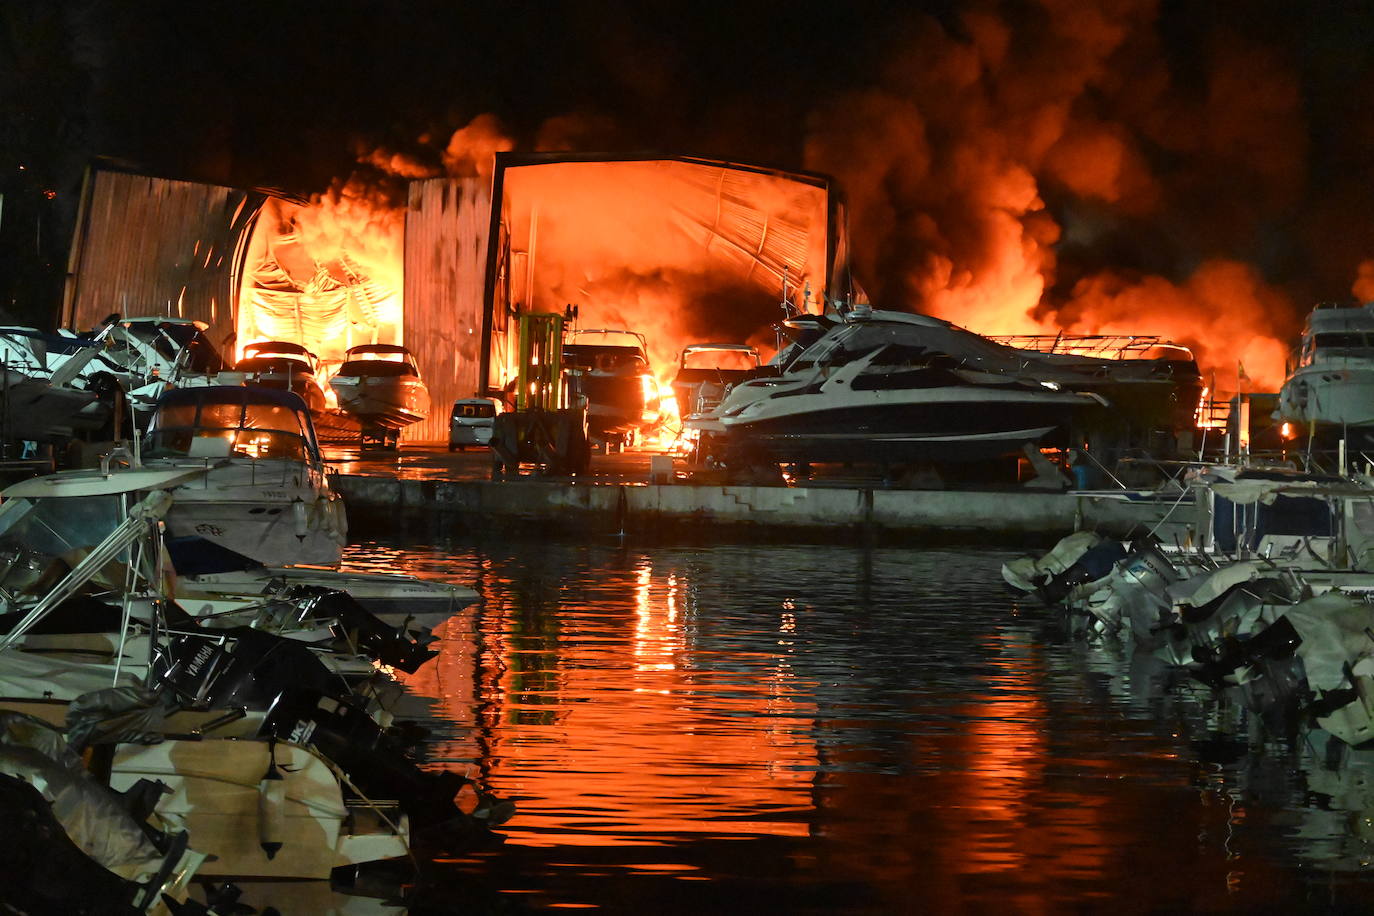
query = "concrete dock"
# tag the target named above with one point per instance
(455, 490)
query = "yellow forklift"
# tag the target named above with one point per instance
(546, 432)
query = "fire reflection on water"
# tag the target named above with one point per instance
(841, 729)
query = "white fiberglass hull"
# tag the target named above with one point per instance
(272, 511)
(221, 793)
(395, 600)
(1329, 395)
(953, 423)
(389, 402)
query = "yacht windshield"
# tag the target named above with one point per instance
(905, 345)
(222, 430)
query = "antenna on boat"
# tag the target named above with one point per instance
(135, 438)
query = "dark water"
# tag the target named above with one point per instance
(832, 729)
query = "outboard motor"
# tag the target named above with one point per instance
(1133, 590)
(382, 642)
(1078, 561)
(375, 762)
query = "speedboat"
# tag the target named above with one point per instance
(44, 392)
(285, 366)
(265, 495)
(613, 374)
(1331, 389)
(896, 387)
(380, 385)
(706, 370)
(279, 771)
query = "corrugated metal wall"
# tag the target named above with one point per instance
(153, 246)
(447, 222)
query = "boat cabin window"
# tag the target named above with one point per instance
(899, 346)
(1341, 340)
(1336, 343)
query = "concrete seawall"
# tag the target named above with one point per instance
(1014, 516)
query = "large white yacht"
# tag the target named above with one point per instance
(1330, 390)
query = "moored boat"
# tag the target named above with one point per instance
(1329, 392)
(266, 494)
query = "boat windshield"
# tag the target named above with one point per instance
(600, 358)
(220, 430)
(376, 367)
(172, 338)
(906, 345)
(285, 365)
(720, 359)
(54, 527)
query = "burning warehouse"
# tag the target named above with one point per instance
(678, 249)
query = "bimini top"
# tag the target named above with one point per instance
(222, 421)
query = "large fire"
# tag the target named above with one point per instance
(683, 253)
(325, 275)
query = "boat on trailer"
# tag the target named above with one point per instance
(380, 385)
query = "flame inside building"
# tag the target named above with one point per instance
(680, 250)
(321, 276)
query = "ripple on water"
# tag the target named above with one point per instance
(838, 729)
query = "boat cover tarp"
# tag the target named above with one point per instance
(131, 714)
(91, 815)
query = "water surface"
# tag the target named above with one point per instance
(839, 729)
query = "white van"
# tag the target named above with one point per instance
(471, 422)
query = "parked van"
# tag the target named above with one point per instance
(471, 422)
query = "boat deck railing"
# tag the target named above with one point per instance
(1102, 346)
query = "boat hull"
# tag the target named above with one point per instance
(933, 425)
(1329, 396)
(386, 403)
(274, 512)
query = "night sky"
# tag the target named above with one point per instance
(1129, 143)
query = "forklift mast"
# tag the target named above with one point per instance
(539, 382)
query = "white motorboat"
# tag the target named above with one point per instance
(262, 808)
(1330, 391)
(896, 387)
(45, 394)
(380, 385)
(266, 494)
(397, 600)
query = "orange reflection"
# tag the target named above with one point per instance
(607, 742)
